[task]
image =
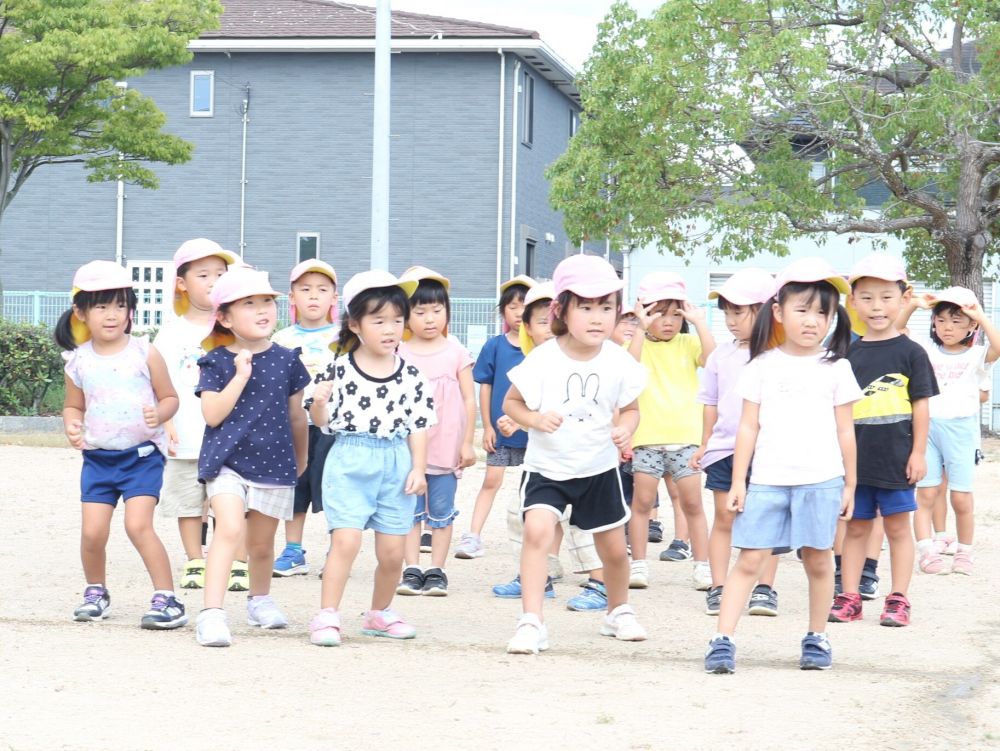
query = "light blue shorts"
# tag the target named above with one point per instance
(951, 445)
(437, 508)
(789, 516)
(363, 481)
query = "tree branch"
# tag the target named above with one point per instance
(870, 226)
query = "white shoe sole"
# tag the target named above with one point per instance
(154, 626)
(84, 618)
(519, 649)
(297, 571)
(466, 556)
(636, 635)
(221, 640)
(273, 625)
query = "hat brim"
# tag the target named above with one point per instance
(595, 290)
(524, 281)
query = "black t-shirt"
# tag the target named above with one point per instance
(892, 374)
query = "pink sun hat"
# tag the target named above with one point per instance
(590, 277)
(238, 283)
(96, 276)
(746, 287)
(960, 296)
(195, 250)
(661, 285)
(812, 269)
(878, 266)
(314, 266)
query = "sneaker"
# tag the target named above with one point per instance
(291, 562)
(962, 564)
(263, 611)
(412, 582)
(702, 576)
(425, 542)
(677, 550)
(530, 638)
(194, 574)
(846, 608)
(655, 531)
(622, 624)
(952, 546)
(556, 572)
(896, 611)
(941, 544)
(638, 575)
(838, 582)
(713, 600)
(165, 612)
(816, 653)
(763, 601)
(720, 657)
(435, 583)
(212, 628)
(239, 577)
(593, 597)
(469, 546)
(96, 604)
(932, 563)
(868, 587)
(324, 628)
(512, 589)
(386, 623)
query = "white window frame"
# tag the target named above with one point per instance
(298, 244)
(527, 109)
(211, 93)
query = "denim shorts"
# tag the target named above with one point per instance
(870, 501)
(108, 475)
(789, 516)
(437, 508)
(363, 482)
(505, 456)
(660, 462)
(951, 445)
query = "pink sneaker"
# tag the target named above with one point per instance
(324, 629)
(386, 623)
(962, 563)
(945, 545)
(932, 563)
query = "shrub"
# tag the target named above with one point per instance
(30, 363)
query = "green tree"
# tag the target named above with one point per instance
(706, 109)
(59, 103)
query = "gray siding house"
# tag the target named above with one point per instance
(478, 112)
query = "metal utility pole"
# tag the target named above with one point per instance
(380, 137)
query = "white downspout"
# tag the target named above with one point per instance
(120, 205)
(243, 174)
(500, 162)
(626, 271)
(513, 169)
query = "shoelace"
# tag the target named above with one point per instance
(160, 602)
(895, 606)
(93, 595)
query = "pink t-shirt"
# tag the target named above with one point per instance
(718, 389)
(441, 369)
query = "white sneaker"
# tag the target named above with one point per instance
(469, 546)
(622, 624)
(639, 575)
(702, 576)
(263, 611)
(212, 628)
(530, 638)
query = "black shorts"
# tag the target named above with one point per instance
(597, 501)
(309, 488)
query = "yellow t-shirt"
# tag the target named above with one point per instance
(668, 411)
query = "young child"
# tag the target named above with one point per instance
(740, 299)
(255, 445)
(379, 408)
(313, 304)
(670, 428)
(577, 395)
(198, 264)
(447, 365)
(797, 426)
(890, 426)
(498, 356)
(118, 395)
(959, 365)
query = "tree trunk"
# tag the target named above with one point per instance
(965, 263)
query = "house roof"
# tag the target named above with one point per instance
(329, 19)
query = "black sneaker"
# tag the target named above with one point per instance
(655, 531)
(838, 584)
(435, 583)
(763, 601)
(713, 599)
(96, 604)
(165, 612)
(412, 583)
(678, 550)
(425, 542)
(868, 588)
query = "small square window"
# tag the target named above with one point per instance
(307, 245)
(202, 93)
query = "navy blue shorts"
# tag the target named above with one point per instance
(309, 488)
(719, 475)
(870, 501)
(109, 475)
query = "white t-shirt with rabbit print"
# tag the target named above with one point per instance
(586, 393)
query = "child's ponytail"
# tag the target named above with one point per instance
(63, 332)
(840, 340)
(763, 329)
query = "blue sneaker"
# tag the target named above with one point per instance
(291, 562)
(512, 589)
(593, 597)
(816, 653)
(720, 657)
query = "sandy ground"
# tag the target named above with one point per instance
(113, 686)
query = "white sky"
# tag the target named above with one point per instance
(568, 26)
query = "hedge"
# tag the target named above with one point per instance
(30, 363)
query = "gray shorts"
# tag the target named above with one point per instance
(660, 462)
(505, 456)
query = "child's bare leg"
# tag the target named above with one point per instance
(295, 528)
(819, 568)
(939, 514)
(94, 531)
(389, 554)
(440, 543)
(190, 532)
(852, 560)
(140, 531)
(643, 497)
(681, 531)
(556, 541)
(901, 551)
(770, 572)
(260, 551)
(875, 538)
(229, 535)
(539, 530)
(411, 546)
(965, 522)
(689, 490)
(922, 516)
(610, 546)
(344, 547)
(721, 539)
(484, 500)
(739, 584)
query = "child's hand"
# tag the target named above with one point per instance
(974, 312)
(847, 503)
(151, 415)
(467, 457)
(695, 461)
(416, 483)
(737, 497)
(506, 426)
(924, 302)
(321, 394)
(622, 438)
(916, 467)
(692, 313)
(172, 440)
(489, 439)
(548, 422)
(74, 433)
(642, 312)
(242, 362)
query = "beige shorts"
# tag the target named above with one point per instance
(278, 503)
(182, 495)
